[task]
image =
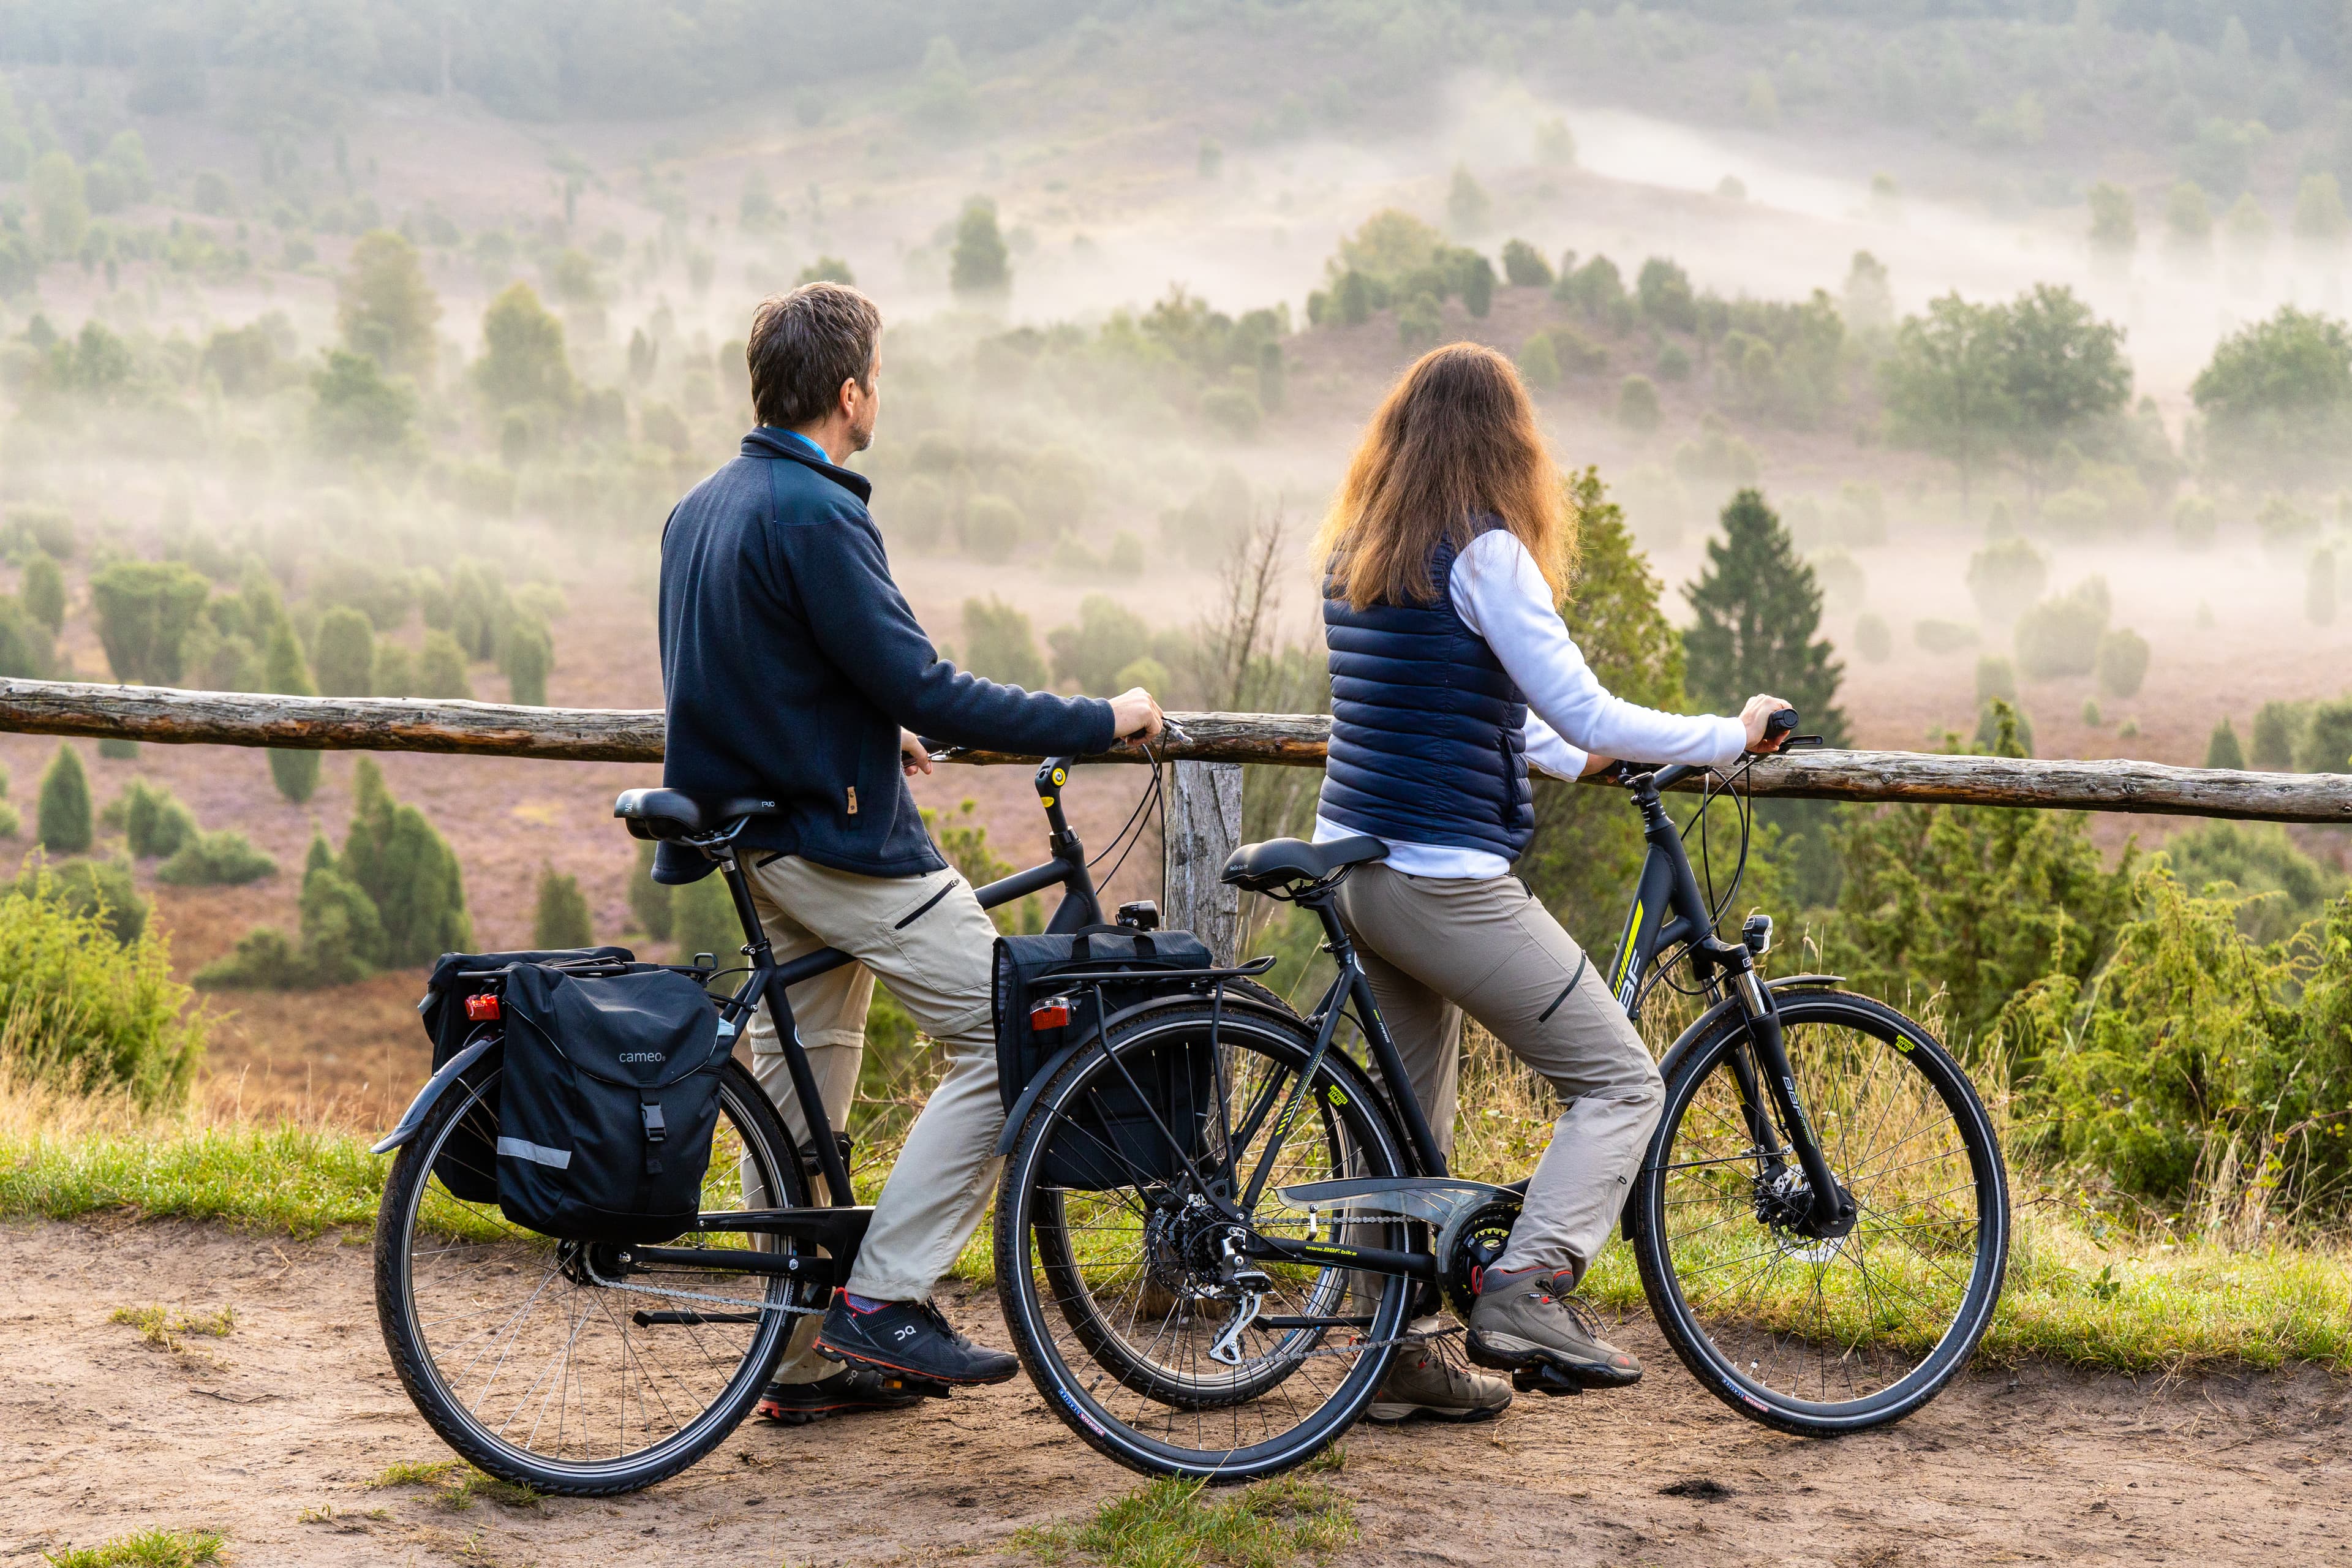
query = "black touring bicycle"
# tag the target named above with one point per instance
(1217, 1219)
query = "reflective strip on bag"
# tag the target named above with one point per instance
(536, 1154)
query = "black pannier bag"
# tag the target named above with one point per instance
(468, 1165)
(1113, 1140)
(610, 1096)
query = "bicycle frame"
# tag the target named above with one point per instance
(770, 982)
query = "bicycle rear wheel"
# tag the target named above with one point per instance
(1109, 1243)
(1824, 1336)
(560, 1365)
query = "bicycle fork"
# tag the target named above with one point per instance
(1762, 1076)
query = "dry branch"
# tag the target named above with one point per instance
(634, 736)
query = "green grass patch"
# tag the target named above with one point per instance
(457, 1486)
(147, 1549)
(302, 1180)
(1175, 1524)
(162, 1327)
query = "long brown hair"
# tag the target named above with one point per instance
(1456, 439)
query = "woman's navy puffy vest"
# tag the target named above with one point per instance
(1428, 742)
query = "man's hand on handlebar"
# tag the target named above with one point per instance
(1135, 715)
(1756, 716)
(913, 756)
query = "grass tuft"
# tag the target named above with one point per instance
(147, 1549)
(1172, 1523)
(458, 1486)
(162, 1327)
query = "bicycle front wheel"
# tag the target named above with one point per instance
(1118, 1251)
(566, 1367)
(1820, 1336)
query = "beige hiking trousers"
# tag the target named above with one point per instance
(930, 941)
(1435, 949)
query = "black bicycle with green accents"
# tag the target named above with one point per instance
(1820, 1225)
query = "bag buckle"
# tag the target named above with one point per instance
(655, 1129)
(482, 1007)
(1053, 1013)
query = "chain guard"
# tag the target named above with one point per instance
(1471, 1243)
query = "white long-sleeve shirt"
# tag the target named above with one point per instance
(1500, 594)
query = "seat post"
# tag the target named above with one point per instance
(739, 887)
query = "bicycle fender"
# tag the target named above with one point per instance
(414, 1117)
(1706, 1025)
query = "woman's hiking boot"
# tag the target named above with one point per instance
(1528, 1322)
(913, 1339)
(1425, 1384)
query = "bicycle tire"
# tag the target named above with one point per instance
(1701, 1348)
(1070, 1378)
(745, 1110)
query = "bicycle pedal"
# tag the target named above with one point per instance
(921, 1386)
(1544, 1378)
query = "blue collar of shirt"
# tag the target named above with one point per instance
(815, 450)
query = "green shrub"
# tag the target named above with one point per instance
(561, 918)
(2006, 577)
(2122, 662)
(999, 644)
(1538, 362)
(1996, 677)
(702, 919)
(346, 653)
(285, 670)
(2194, 521)
(152, 820)
(1871, 639)
(145, 612)
(2278, 735)
(2198, 1054)
(43, 590)
(1420, 322)
(2327, 744)
(341, 938)
(2255, 858)
(527, 655)
(993, 526)
(90, 1004)
(1107, 637)
(409, 871)
(64, 825)
(221, 859)
(1944, 637)
(1126, 557)
(385, 598)
(394, 674)
(28, 648)
(480, 606)
(441, 672)
(1993, 715)
(116, 749)
(49, 529)
(103, 890)
(649, 900)
(2222, 751)
(1524, 266)
(1577, 355)
(2060, 637)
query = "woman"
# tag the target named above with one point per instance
(1447, 554)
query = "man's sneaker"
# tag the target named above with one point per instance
(1524, 1324)
(851, 1388)
(1424, 1385)
(913, 1338)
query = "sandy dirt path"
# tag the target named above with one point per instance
(273, 1434)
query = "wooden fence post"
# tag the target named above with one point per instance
(1205, 827)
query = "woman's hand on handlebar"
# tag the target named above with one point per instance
(1758, 712)
(1136, 715)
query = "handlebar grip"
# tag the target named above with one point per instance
(1781, 722)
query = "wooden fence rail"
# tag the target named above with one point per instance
(634, 736)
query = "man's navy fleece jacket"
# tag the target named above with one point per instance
(789, 662)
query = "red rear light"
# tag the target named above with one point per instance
(1053, 1014)
(483, 1008)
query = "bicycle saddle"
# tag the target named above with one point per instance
(672, 814)
(1258, 866)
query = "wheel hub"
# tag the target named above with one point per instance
(1179, 1246)
(1784, 1202)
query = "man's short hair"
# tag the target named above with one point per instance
(804, 345)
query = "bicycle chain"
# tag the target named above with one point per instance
(735, 1301)
(1359, 1349)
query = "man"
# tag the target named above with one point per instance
(795, 671)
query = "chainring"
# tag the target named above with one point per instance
(1471, 1243)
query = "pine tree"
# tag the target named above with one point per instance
(703, 920)
(64, 812)
(562, 920)
(295, 773)
(408, 871)
(526, 653)
(45, 592)
(346, 654)
(2223, 750)
(1758, 614)
(1587, 847)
